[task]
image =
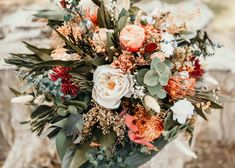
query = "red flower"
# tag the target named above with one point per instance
(198, 71)
(63, 3)
(92, 15)
(67, 87)
(60, 73)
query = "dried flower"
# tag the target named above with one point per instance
(91, 14)
(152, 34)
(125, 62)
(144, 128)
(106, 120)
(159, 55)
(178, 87)
(61, 54)
(99, 39)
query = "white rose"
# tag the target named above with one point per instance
(110, 85)
(182, 110)
(168, 44)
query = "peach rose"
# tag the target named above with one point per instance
(132, 37)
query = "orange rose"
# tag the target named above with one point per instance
(132, 37)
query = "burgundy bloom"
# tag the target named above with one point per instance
(63, 3)
(198, 71)
(67, 87)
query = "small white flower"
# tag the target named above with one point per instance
(152, 103)
(184, 74)
(148, 19)
(22, 99)
(110, 85)
(182, 110)
(168, 44)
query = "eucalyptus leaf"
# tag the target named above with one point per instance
(154, 62)
(151, 78)
(140, 75)
(163, 79)
(160, 67)
(161, 94)
(154, 90)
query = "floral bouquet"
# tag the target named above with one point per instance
(117, 84)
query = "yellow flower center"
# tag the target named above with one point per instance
(111, 85)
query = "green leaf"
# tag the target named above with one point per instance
(161, 94)
(200, 112)
(43, 54)
(62, 144)
(61, 111)
(151, 78)
(104, 18)
(80, 156)
(169, 63)
(97, 2)
(110, 43)
(60, 123)
(169, 122)
(154, 62)
(72, 110)
(154, 90)
(121, 23)
(107, 141)
(68, 157)
(51, 14)
(41, 110)
(160, 67)
(77, 104)
(163, 79)
(73, 125)
(140, 75)
(216, 105)
(137, 159)
(99, 61)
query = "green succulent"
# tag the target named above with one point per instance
(156, 77)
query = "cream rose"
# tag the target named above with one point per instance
(110, 85)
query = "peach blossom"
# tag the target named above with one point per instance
(132, 37)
